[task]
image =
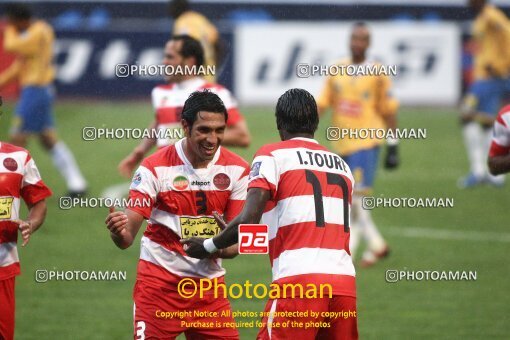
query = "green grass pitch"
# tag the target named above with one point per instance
(78, 240)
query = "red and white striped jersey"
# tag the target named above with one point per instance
(307, 214)
(183, 200)
(500, 145)
(19, 179)
(168, 101)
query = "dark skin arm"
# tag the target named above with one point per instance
(252, 212)
(499, 164)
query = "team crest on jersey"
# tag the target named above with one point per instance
(255, 170)
(137, 178)
(221, 181)
(10, 164)
(180, 183)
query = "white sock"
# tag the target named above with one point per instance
(66, 164)
(500, 179)
(474, 141)
(375, 241)
(355, 233)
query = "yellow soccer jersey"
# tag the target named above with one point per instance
(34, 53)
(197, 26)
(358, 102)
(491, 33)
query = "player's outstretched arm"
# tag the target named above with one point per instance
(128, 164)
(36, 216)
(256, 200)
(123, 226)
(499, 164)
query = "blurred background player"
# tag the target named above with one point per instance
(491, 35)
(19, 179)
(306, 206)
(499, 153)
(31, 41)
(198, 27)
(362, 102)
(186, 182)
(168, 100)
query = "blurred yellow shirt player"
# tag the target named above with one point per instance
(198, 27)
(358, 102)
(362, 102)
(491, 33)
(34, 50)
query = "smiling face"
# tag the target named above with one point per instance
(204, 137)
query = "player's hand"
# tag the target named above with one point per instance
(194, 247)
(392, 160)
(116, 221)
(26, 230)
(219, 219)
(127, 166)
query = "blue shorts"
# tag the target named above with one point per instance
(488, 94)
(363, 165)
(34, 112)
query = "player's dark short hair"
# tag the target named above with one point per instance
(177, 7)
(17, 12)
(296, 112)
(202, 101)
(191, 47)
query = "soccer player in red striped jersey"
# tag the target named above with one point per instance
(185, 183)
(303, 192)
(168, 100)
(499, 154)
(19, 179)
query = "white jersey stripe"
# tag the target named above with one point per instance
(312, 261)
(297, 209)
(8, 254)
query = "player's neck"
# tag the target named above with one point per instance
(192, 157)
(358, 59)
(284, 135)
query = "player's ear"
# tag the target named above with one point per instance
(186, 127)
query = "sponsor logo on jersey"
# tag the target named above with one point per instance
(6, 207)
(221, 181)
(180, 183)
(202, 226)
(255, 170)
(253, 239)
(10, 164)
(137, 179)
(200, 183)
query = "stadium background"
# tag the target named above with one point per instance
(95, 36)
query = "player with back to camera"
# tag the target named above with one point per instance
(362, 102)
(303, 192)
(31, 41)
(185, 182)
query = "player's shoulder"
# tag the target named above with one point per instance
(228, 157)
(22, 154)
(288, 145)
(164, 157)
(504, 116)
(9, 148)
